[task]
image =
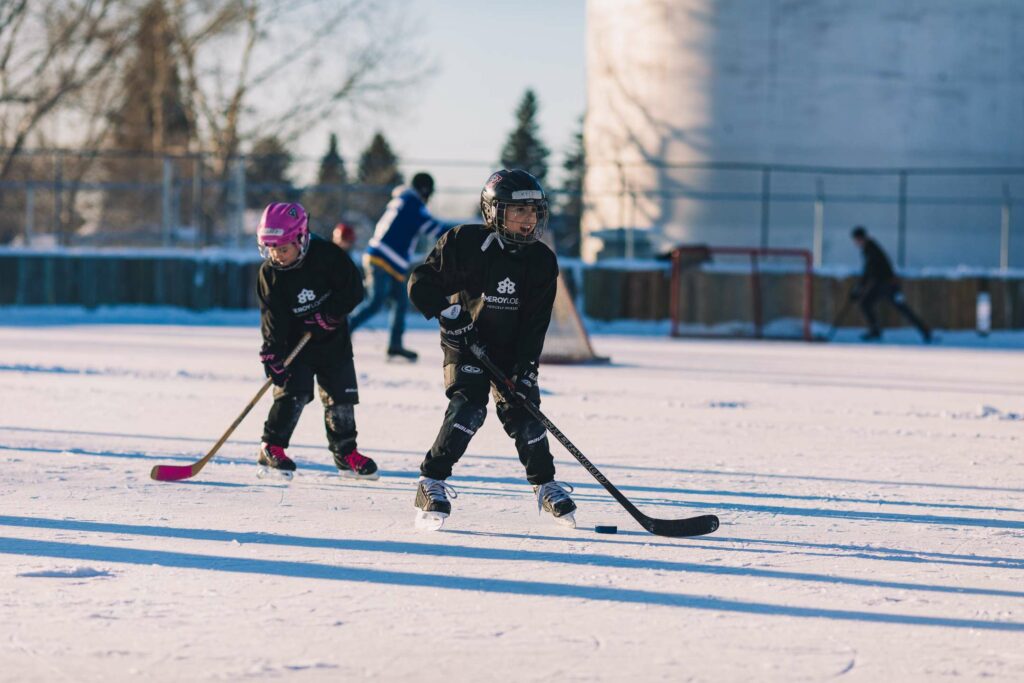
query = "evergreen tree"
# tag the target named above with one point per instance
(149, 119)
(332, 166)
(152, 117)
(266, 173)
(523, 148)
(567, 240)
(327, 203)
(378, 174)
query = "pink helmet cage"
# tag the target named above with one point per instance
(280, 224)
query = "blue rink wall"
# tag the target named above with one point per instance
(638, 290)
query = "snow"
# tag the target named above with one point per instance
(870, 498)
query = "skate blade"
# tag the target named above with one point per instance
(349, 474)
(430, 521)
(568, 520)
(264, 472)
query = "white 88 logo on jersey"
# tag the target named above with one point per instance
(306, 295)
(506, 286)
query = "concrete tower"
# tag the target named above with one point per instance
(837, 83)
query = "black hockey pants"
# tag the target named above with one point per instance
(894, 295)
(467, 387)
(338, 393)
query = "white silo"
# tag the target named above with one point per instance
(879, 84)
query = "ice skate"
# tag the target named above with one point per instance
(273, 462)
(399, 353)
(355, 465)
(433, 506)
(552, 497)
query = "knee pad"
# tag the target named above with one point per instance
(293, 402)
(341, 418)
(289, 408)
(533, 432)
(466, 415)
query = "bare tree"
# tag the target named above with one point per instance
(303, 60)
(56, 56)
(50, 52)
(249, 69)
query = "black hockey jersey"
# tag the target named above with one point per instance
(326, 282)
(508, 291)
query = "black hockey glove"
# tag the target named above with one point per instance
(457, 330)
(524, 381)
(273, 366)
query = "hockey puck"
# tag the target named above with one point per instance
(606, 529)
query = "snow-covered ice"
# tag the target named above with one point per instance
(870, 498)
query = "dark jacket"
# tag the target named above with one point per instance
(508, 292)
(326, 282)
(877, 267)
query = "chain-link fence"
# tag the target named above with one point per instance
(924, 216)
(934, 216)
(60, 198)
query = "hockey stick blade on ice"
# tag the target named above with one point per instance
(690, 526)
(179, 472)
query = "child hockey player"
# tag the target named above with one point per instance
(505, 281)
(307, 284)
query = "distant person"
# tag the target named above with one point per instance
(307, 284)
(344, 236)
(388, 255)
(879, 282)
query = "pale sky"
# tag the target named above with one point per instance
(487, 53)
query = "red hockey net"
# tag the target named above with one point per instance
(753, 292)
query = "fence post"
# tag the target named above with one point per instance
(901, 227)
(238, 218)
(631, 228)
(58, 192)
(1004, 230)
(197, 199)
(30, 213)
(819, 223)
(166, 195)
(766, 204)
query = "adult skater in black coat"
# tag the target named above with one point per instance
(878, 282)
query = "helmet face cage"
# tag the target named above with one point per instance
(497, 220)
(505, 189)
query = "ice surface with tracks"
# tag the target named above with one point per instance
(870, 498)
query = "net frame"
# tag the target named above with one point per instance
(699, 254)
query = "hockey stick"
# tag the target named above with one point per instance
(839, 318)
(178, 472)
(691, 526)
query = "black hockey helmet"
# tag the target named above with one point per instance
(423, 183)
(516, 187)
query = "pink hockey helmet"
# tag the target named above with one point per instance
(283, 224)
